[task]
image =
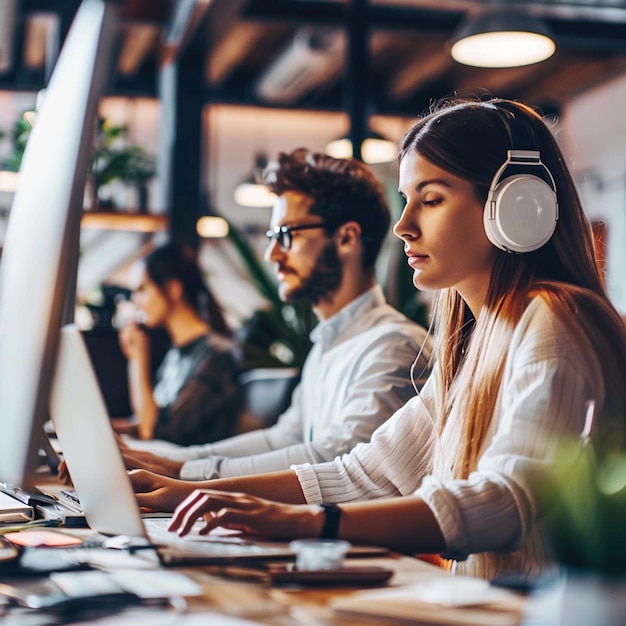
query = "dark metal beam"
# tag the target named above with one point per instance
(181, 150)
(332, 13)
(576, 32)
(358, 83)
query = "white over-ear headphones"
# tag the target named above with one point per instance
(521, 211)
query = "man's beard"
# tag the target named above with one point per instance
(324, 280)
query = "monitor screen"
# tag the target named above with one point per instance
(40, 254)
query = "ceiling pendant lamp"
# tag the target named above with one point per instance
(374, 149)
(212, 227)
(252, 192)
(502, 37)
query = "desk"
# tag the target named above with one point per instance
(257, 602)
(291, 605)
(227, 602)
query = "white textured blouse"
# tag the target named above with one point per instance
(489, 520)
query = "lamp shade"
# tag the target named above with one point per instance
(374, 149)
(212, 227)
(502, 38)
(252, 192)
(9, 181)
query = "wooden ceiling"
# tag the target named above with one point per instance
(405, 64)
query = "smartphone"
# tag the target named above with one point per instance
(347, 575)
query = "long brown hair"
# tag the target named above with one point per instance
(470, 139)
(176, 260)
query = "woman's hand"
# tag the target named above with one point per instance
(252, 515)
(159, 493)
(134, 342)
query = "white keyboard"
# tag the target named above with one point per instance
(156, 529)
(217, 547)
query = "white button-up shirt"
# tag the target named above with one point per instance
(356, 375)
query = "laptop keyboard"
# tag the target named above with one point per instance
(173, 548)
(193, 547)
(156, 529)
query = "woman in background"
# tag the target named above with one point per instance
(194, 397)
(523, 341)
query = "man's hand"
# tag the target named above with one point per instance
(142, 459)
(159, 493)
(63, 474)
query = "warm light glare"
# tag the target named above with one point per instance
(503, 49)
(339, 148)
(8, 181)
(137, 43)
(212, 227)
(373, 150)
(31, 116)
(255, 195)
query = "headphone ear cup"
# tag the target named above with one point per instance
(521, 213)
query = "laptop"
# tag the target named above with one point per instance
(101, 482)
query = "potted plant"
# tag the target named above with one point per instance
(19, 137)
(131, 164)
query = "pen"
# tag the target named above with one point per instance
(70, 495)
(64, 505)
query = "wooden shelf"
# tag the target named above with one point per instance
(138, 222)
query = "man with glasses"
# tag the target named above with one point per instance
(327, 228)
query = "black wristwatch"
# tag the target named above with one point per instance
(332, 516)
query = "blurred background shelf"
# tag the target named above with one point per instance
(139, 222)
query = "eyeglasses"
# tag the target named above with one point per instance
(282, 234)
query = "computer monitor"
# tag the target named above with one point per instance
(40, 255)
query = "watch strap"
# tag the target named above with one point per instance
(332, 517)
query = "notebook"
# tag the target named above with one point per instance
(101, 482)
(435, 599)
(12, 510)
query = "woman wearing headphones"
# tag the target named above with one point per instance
(524, 340)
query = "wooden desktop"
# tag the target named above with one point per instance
(242, 595)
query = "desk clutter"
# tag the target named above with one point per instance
(103, 585)
(77, 575)
(13, 510)
(70, 574)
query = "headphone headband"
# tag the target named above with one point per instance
(521, 133)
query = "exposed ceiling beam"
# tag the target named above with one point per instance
(581, 76)
(590, 25)
(137, 42)
(231, 50)
(504, 81)
(592, 10)
(416, 60)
